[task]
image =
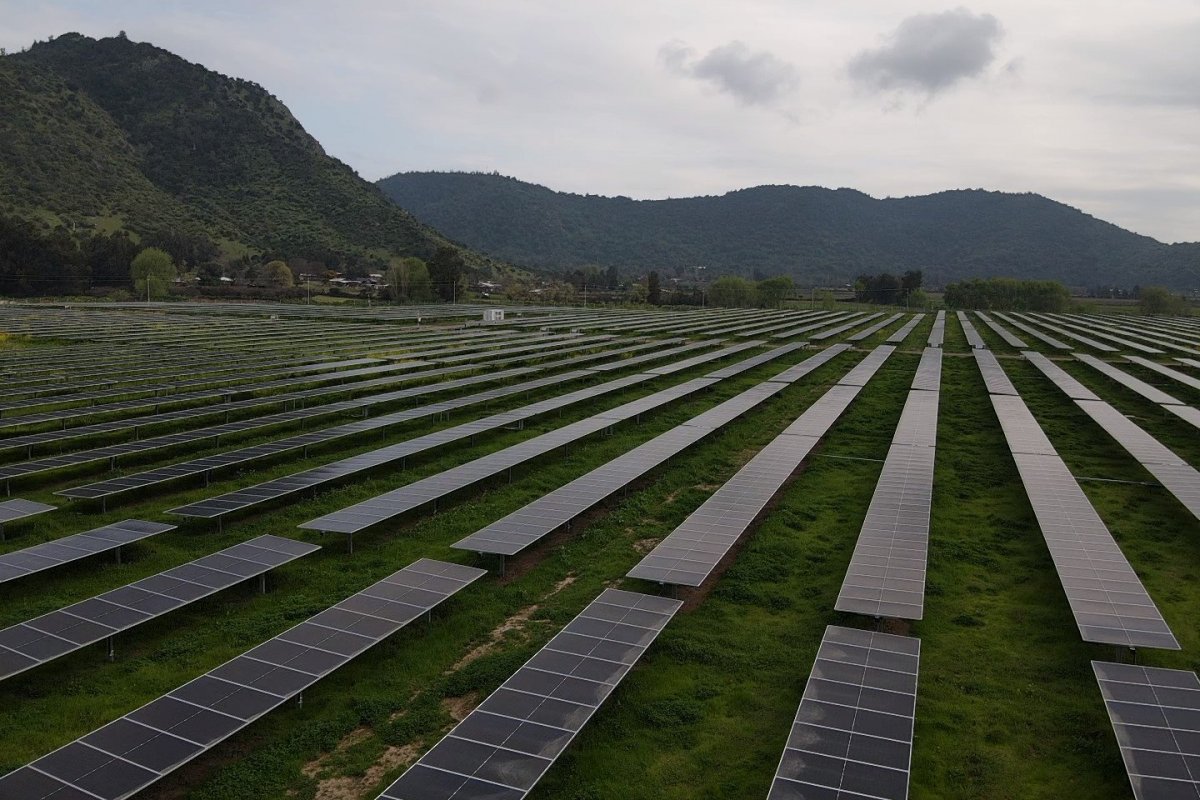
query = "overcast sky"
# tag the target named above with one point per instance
(1095, 103)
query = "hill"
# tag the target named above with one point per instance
(119, 134)
(814, 234)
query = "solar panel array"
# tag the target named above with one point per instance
(241, 499)
(370, 512)
(929, 370)
(1173, 374)
(1176, 475)
(1107, 599)
(244, 455)
(845, 326)
(1034, 332)
(853, 733)
(907, 328)
(1061, 331)
(993, 375)
(938, 334)
(76, 626)
(1064, 380)
(692, 551)
(125, 756)
(22, 563)
(973, 337)
(886, 576)
(1155, 714)
(1151, 393)
(528, 524)
(1001, 331)
(872, 329)
(504, 747)
(18, 508)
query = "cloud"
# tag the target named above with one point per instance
(753, 78)
(930, 52)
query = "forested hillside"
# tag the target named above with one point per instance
(117, 134)
(814, 234)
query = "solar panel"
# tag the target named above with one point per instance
(1062, 379)
(17, 508)
(692, 551)
(1021, 430)
(42, 639)
(1034, 332)
(244, 455)
(929, 370)
(973, 337)
(994, 377)
(1189, 362)
(866, 369)
(798, 371)
(704, 358)
(1102, 332)
(1087, 340)
(1173, 374)
(1188, 414)
(886, 577)
(528, 524)
(902, 334)
(125, 756)
(1151, 393)
(1175, 474)
(755, 361)
(370, 512)
(1155, 714)
(504, 747)
(845, 326)
(938, 334)
(853, 733)
(878, 326)
(812, 326)
(1001, 331)
(47, 555)
(317, 476)
(1107, 598)
(917, 426)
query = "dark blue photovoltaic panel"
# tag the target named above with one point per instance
(123, 757)
(503, 748)
(853, 733)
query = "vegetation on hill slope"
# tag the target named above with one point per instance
(113, 133)
(813, 234)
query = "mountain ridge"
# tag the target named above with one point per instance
(115, 133)
(815, 234)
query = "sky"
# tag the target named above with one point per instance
(1095, 103)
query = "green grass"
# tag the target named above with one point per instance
(1007, 705)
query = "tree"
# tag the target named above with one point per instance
(731, 291)
(911, 281)
(445, 270)
(612, 278)
(773, 291)
(1159, 300)
(637, 293)
(408, 280)
(152, 271)
(278, 275)
(653, 288)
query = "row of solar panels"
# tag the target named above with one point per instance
(1155, 713)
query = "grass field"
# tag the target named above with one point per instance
(1007, 706)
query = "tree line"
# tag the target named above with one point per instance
(888, 289)
(1008, 294)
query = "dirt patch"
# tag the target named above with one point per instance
(313, 768)
(353, 788)
(672, 497)
(459, 707)
(900, 627)
(515, 623)
(643, 546)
